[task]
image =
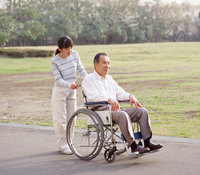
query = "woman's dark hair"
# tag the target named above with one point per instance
(97, 57)
(64, 42)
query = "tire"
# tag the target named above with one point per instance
(109, 155)
(86, 139)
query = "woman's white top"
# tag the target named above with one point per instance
(64, 69)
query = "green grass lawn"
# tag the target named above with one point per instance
(165, 78)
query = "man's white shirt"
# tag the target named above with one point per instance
(97, 88)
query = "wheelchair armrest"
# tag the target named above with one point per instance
(124, 101)
(92, 104)
(101, 103)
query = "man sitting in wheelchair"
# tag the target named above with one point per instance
(99, 86)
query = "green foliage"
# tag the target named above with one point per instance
(5, 121)
(37, 22)
(94, 27)
(26, 23)
(21, 53)
(39, 53)
(139, 36)
(45, 123)
(16, 54)
(6, 28)
(2, 52)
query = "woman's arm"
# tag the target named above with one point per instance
(58, 76)
(80, 67)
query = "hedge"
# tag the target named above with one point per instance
(21, 53)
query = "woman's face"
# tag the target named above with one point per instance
(65, 52)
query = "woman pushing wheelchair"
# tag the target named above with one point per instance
(65, 64)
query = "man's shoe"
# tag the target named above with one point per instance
(67, 151)
(154, 147)
(141, 150)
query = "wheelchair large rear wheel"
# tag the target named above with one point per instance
(85, 134)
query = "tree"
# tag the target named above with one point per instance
(62, 19)
(7, 27)
(144, 32)
(94, 27)
(173, 17)
(187, 16)
(120, 19)
(196, 19)
(97, 21)
(152, 21)
(26, 17)
(196, 22)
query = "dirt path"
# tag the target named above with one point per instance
(26, 98)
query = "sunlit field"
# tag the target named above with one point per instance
(164, 77)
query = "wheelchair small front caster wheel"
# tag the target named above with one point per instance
(140, 143)
(109, 155)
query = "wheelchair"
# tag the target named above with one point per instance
(89, 131)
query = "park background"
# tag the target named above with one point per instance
(153, 47)
(42, 22)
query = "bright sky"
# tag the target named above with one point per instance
(179, 1)
(196, 2)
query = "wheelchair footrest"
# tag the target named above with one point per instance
(137, 135)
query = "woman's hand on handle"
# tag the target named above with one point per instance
(73, 86)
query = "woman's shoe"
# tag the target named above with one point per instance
(67, 151)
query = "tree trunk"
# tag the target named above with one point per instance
(199, 33)
(20, 41)
(25, 40)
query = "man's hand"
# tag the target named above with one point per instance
(73, 86)
(134, 100)
(114, 104)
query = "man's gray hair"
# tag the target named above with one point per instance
(97, 57)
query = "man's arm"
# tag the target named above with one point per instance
(114, 104)
(122, 95)
(135, 101)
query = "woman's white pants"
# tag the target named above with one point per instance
(63, 105)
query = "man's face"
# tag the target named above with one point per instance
(102, 68)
